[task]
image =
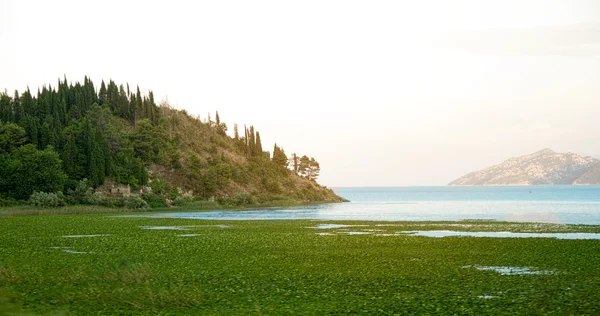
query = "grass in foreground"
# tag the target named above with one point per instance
(285, 267)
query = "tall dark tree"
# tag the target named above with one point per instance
(17, 108)
(6, 111)
(103, 94)
(252, 141)
(295, 163)
(236, 134)
(258, 148)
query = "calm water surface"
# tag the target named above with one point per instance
(547, 204)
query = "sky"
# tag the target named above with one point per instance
(381, 93)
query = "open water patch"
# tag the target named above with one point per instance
(451, 233)
(70, 250)
(166, 227)
(329, 226)
(84, 236)
(506, 270)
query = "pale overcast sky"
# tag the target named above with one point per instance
(379, 92)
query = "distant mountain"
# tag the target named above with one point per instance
(542, 167)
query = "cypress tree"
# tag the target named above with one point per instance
(258, 149)
(295, 163)
(103, 94)
(122, 107)
(252, 141)
(139, 105)
(96, 168)
(6, 113)
(17, 108)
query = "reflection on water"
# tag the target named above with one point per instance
(451, 233)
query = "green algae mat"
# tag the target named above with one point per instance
(106, 265)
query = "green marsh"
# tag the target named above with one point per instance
(288, 267)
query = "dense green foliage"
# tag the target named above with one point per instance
(52, 140)
(286, 267)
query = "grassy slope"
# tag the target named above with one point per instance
(283, 267)
(189, 137)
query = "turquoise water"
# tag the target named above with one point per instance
(546, 204)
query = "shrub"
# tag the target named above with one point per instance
(244, 198)
(81, 194)
(8, 201)
(154, 200)
(97, 198)
(158, 186)
(182, 200)
(47, 200)
(173, 193)
(135, 202)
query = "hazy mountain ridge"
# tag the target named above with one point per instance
(542, 167)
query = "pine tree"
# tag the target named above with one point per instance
(279, 157)
(313, 169)
(303, 166)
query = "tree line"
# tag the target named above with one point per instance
(52, 139)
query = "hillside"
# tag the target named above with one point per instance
(542, 167)
(73, 136)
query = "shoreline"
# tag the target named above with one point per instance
(203, 206)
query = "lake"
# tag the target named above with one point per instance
(546, 204)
